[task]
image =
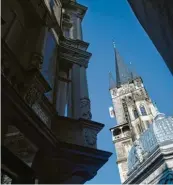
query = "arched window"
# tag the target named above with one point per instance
(143, 111)
(135, 113)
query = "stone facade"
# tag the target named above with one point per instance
(155, 16)
(47, 134)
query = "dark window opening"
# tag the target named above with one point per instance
(135, 112)
(126, 128)
(143, 111)
(116, 132)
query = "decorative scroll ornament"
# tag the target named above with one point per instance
(139, 152)
(90, 136)
(85, 109)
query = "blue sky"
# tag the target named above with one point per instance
(113, 19)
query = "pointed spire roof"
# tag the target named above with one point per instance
(112, 83)
(123, 74)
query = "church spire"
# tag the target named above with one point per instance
(123, 74)
(112, 83)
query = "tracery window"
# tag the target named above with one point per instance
(143, 111)
(135, 113)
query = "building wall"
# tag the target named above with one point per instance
(156, 19)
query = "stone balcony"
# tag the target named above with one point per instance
(126, 134)
(79, 132)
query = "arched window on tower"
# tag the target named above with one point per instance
(143, 111)
(135, 113)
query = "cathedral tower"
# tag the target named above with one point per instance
(132, 108)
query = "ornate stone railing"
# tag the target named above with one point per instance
(127, 134)
(80, 132)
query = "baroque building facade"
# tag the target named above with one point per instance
(47, 134)
(135, 113)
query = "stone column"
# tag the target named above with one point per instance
(75, 91)
(84, 96)
(76, 29)
(69, 105)
(79, 103)
(79, 28)
(61, 100)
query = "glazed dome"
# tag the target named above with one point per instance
(159, 134)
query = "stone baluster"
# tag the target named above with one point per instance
(69, 105)
(79, 28)
(76, 29)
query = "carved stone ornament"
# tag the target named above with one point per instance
(33, 93)
(85, 109)
(90, 136)
(130, 100)
(36, 61)
(139, 152)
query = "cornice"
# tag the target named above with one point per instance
(153, 161)
(78, 9)
(71, 52)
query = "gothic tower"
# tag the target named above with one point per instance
(132, 108)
